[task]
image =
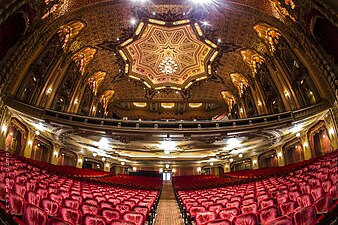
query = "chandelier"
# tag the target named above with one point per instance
(168, 66)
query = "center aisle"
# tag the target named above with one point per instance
(168, 212)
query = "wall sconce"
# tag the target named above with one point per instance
(226, 166)
(134, 169)
(199, 169)
(29, 142)
(174, 170)
(287, 94)
(76, 101)
(123, 163)
(211, 164)
(56, 153)
(94, 154)
(279, 154)
(241, 110)
(49, 91)
(107, 165)
(79, 161)
(254, 161)
(161, 170)
(231, 159)
(259, 103)
(331, 131)
(37, 132)
(306, 144)
(167, 166)
(4, 129)
(240, 155)
(298, 134)
(103, 159)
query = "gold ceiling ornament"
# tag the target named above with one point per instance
(283, 11)
(269, 34)
(106, 97)
(69, 31)
(240, 82)
(168, 54)
(52, 7)
(229, 98)
(83, 57)
(96, 80)
(253, 59)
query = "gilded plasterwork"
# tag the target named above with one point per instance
(168, 54)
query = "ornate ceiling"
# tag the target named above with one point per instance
(144, 49)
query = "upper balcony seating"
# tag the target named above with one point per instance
(300, 197)
(39, 197)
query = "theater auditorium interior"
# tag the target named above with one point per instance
(168, 112)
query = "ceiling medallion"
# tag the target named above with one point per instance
(164, 54)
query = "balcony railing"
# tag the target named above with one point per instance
(271, 120)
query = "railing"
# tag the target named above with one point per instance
(146, 125)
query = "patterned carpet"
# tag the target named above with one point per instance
(168, 212)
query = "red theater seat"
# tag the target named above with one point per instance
(228, 213)
(203, 217)
(49, 206)
(70, 215)
(89, 219)
(16, 203)
(141, 209)
(245, 219)
(267, 214)
(121, 222)
(252, 208)
(34, 215)
(288, 207)
(122, 208)
(323, 204)
(87, 208)
(33, 198)
(134, 217)
(283, 220)
(193, 210)
(219, 222)
(305, 216)
(57, 221)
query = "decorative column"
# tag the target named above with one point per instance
(226, 168)
(29, 146)
(80, 159)
(306, 146)
(107, 166)
(280, 156)
(254, 161)
(56, 153)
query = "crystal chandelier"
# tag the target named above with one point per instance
(168, 66)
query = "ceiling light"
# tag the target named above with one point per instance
(331, 131)
(104, 143)
(240, 155)
(204, 2)
(167, 152)
(205, 23)
(168, 145)
(219, 40)
(324, 136)
(103, 159)
(167, 166)
(132, 21)
(231, 160)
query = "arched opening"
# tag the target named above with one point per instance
(293, 152)
(11, 31)
(67, 158)
(268, 159)
(41, 150)
(319, 140)
(16, 137)
(92, 164)
(245, 164)
(326, 35)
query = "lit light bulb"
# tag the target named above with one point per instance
(123, 163)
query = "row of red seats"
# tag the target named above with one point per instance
(65, 170)
(34, 196)
(268, 171)
(301, 197)
(203, 182)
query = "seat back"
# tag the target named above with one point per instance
(283, 220)
(70, 215)
(228, 213)
(305, 216)
(141, 209)
(122, 208)
(71, 203)
(204, 217)
(51, 207)
(134, 217)
(252, 208)
(267, 214)
(305, 200)
(57, 221)
(219, 222)
(89, 208)
(56, 197)
(194, 209)
(33, 215)
(317, 192)
(89, 219)
(33, 198)
(16, 203)
(245, 219)
(110, 214)
(288, 207)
